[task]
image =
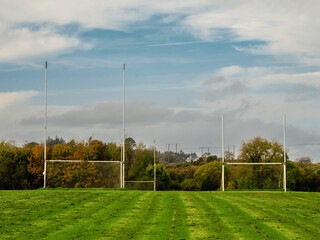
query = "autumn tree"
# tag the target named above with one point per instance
(209, 176)
(35, 166)
(258, 150)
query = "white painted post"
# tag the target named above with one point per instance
(284, 155)
(154, 167)
(45, 132)
(120, 165)
(123, 129)
(222, 174)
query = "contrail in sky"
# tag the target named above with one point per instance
(175, 43)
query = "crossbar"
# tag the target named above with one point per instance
(95, 161)
(139, 181)
(274, 163)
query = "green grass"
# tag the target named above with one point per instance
(117, 214)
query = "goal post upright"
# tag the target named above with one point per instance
(123, 130)
(284, 155)
(222, 144)
(154, 167)
(45, 131)
(120, 165)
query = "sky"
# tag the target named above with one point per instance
(187, 63)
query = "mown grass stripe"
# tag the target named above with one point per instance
(278, 216)
(92, 220)
(287, 206)
(159, 225)
(37, 215)
(168, 219)
(75, 215)
(291, 204)
(248, 226)
(306, 196)
(249, 208)
(203, 220)
(152, 226)
(129, 226)
(304, 201)
(179, 226)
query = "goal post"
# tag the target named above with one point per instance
(46, 161)
(154, 181)
(254, 163)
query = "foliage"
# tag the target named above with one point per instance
(131, 141)
(14, 168)
(163, 178)
(22, 167)
(257, 150)
(209, 176)
(260, 150)
(190, 185)
(54, 141)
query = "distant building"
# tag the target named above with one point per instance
(192, 158)
(205, 155)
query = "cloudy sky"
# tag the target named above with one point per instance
(187, 62)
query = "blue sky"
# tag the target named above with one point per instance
(187, 62)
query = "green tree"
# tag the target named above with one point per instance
(259, 150)
(131, 141)
(209, 176)
(142, 158)
(14, 167)
(163, 178)
(53, 141)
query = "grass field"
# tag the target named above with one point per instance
(116, 214)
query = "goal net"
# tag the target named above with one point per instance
(83, 174)
(254, 177)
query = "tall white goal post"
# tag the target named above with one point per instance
(45, 142)
(45, 131)
(122, 168)
(256, 163)
(122, 159)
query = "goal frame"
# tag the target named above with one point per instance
(121, 162)
(255, 163)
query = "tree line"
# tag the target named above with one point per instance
(22, 167)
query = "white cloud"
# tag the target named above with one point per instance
(9, 99)
(256, 77)
(266, 94)
(95, 13)
(229, 71)
(284, 27)
(175, 44)
(23, 42)
(308, 78)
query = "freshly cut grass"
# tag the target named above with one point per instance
(118, 214)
